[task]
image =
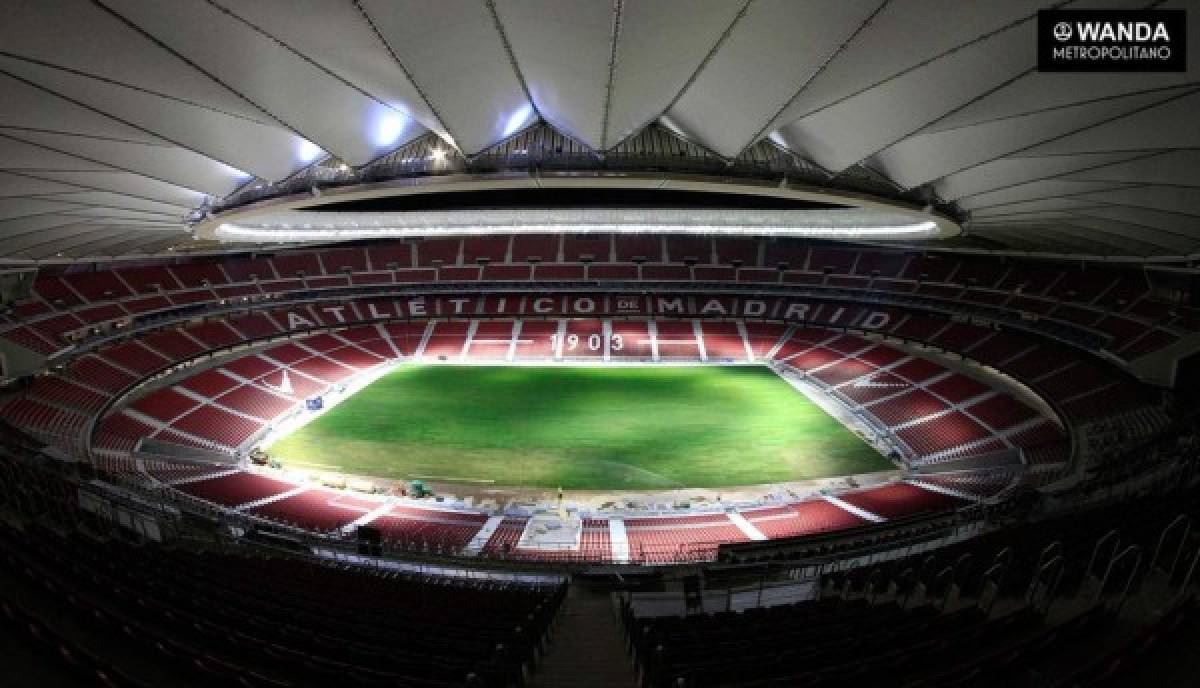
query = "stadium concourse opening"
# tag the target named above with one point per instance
(598, 344)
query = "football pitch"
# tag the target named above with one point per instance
(581, 428)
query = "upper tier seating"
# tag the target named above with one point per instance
(1114, 305)
(136, 357)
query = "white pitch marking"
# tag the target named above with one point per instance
(472, 328)
(944, 490)
(514, 340)
(783, 339)
(475, 546)
(652, 330)
(383, 334)
(368, 517)
(865, 382)
(203, 476)
(425, 337)
(558, 342)
(273, 498)
(619, 541)
(746, 526)
(606, 329)
(861, 513)
(741, 328)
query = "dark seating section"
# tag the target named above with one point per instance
(868, 628)
(99, 610)
(826, 643)
(1159, 655)
(236, 619)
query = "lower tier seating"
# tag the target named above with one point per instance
(233, 618)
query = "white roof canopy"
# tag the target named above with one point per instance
(120, 117)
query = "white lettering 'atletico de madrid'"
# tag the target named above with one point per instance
(708, 306)
(754, 309)
(875, 320)
(796, 311)
(713, 307)
(297, 321)
(674, 305)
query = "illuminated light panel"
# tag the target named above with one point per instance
(517, 120)
(389, 128)
(234, 232)
(234, 172)
(307, 151)
(673, 127)
(844, 223)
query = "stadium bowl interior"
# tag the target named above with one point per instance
(620, 343)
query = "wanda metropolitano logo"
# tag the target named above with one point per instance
(1112, 40)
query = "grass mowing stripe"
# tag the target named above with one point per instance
(582, 428)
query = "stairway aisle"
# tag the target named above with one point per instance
(588, 649)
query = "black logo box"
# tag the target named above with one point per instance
(1051, 35)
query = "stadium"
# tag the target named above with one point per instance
(599, 343)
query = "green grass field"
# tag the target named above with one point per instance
(581, 428)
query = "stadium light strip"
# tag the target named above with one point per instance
(234, 232)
